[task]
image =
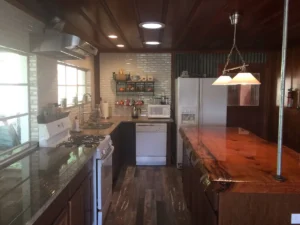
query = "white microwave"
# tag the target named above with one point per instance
(159, 111)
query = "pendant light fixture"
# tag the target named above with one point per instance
(242, 77)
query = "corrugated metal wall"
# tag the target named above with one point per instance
(206, 64)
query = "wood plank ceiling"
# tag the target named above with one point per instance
(190, 24)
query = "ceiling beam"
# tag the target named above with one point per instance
(95, 26)
(73, 28)
(217, 18)
(261, 25)
(138, 21)
(188, 22)
(260, 6)
(114, 21)
(164, 13)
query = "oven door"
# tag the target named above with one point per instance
(104, 181)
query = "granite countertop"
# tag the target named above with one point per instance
(29, 185)
(117, 120)
(239, 161)
(141, 119)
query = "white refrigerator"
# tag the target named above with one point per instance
(198, 102)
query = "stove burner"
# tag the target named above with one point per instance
(87, 141)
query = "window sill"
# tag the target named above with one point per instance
(75, 106)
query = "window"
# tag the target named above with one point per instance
(71, 83)
(14, 110)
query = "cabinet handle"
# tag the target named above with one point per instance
(205, 181)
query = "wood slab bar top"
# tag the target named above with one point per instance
(235, 160)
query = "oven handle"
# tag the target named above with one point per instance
(109, 155)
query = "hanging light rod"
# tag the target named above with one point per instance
(243, 77)
(236, 68)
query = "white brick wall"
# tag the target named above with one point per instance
(156, 64)
(15, 29)
(33, 97)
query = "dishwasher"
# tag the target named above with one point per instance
(151, 144)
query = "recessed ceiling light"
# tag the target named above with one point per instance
(152, 25)
(152, 43)
(113, 36)
(121, 46)
(128, 63)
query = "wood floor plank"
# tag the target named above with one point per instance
(150, 216)
(142, 178)
(150, 184)
(176, 200)
(148, 196)
(168, 197)
(162, 216)
(133, 200)
(122, 208)
(158, 180)
(140, 212)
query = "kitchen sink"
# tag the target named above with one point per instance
(102, 125)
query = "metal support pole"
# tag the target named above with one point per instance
(278, 176)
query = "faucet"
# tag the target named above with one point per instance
(81, 114)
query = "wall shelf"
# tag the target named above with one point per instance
(134, 87)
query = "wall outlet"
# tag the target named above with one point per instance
(295, 218)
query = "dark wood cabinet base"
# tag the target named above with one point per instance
(74, 205)
(210, 207)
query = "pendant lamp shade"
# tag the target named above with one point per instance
(244, 78)
(222, 80)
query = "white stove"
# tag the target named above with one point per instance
(103, 177)
(56, 134)
(53, 133)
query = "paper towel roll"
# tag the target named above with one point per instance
(105, 110)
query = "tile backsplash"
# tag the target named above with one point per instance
(157, 65)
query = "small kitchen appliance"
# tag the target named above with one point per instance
(151, 144)
(135, 112)
(159, 111)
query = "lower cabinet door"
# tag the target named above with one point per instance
(128, 137)
(63, 218)
(81, 204)
(76, 208)
(88, 200)
(202, 211)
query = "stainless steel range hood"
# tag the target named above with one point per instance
(60, 46)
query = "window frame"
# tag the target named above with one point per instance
(21, 146)
(77, 85)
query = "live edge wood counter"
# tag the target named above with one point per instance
(228, 178)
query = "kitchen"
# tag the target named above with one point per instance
(125, 126)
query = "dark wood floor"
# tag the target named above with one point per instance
(148, 196)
